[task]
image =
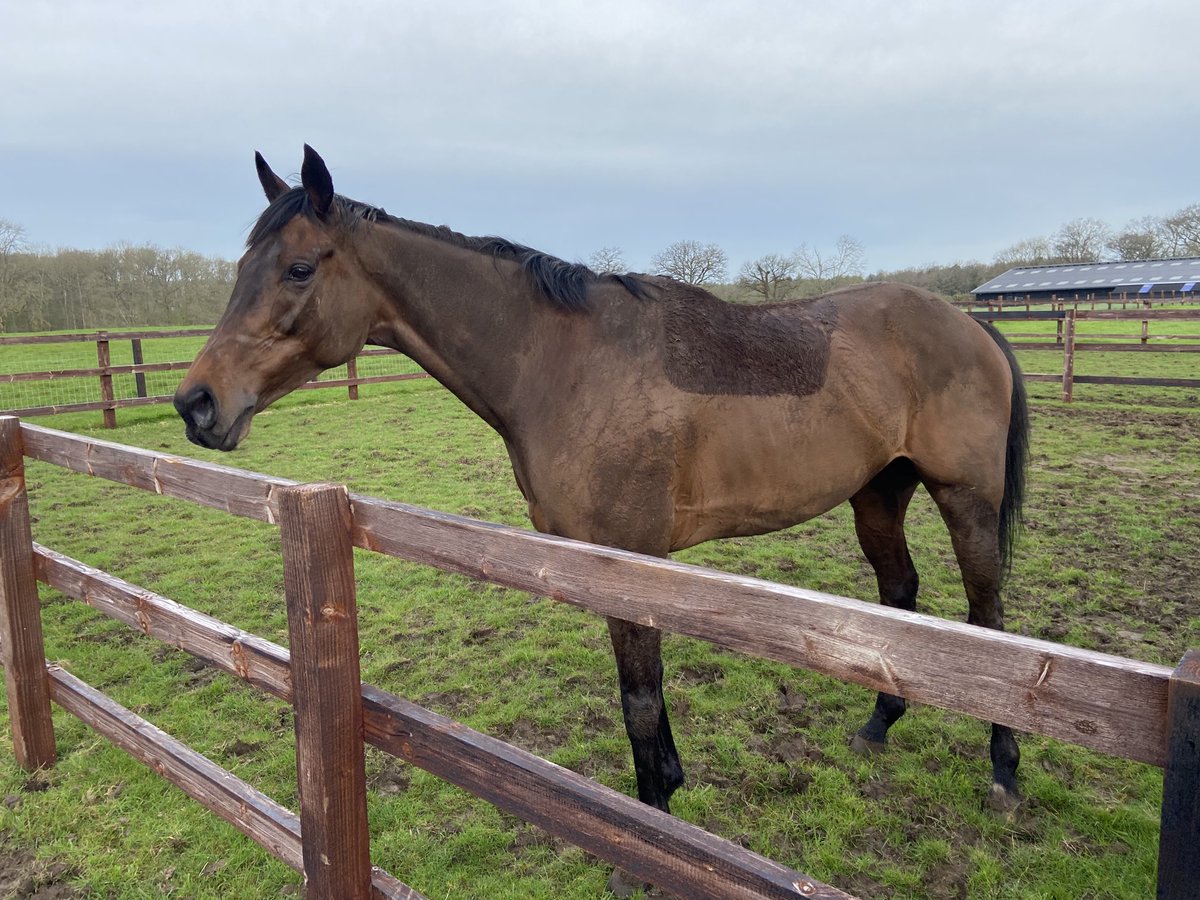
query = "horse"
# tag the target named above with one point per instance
(646, 414)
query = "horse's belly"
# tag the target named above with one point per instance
(764, 474)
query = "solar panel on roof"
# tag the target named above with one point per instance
(1125, 276)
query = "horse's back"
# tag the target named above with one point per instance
(821, 395)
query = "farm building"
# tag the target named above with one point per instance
(1135, 279)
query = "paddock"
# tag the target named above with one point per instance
(1117, 706)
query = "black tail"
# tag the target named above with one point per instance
(1016, 454)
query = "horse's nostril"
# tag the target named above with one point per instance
(200, 408)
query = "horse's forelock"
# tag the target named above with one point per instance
(278, 213)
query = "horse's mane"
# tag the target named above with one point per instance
(562, 282)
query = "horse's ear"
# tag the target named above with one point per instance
(271, 183)
(315, 178)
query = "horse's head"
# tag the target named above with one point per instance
(301, 304)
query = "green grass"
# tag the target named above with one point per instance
(1107, 562)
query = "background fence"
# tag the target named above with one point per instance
(1105, 301)
(111, 383)
(1068, 340)
(1122, 707)
(136, 368)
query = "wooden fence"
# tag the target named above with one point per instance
(1067, 341)
(104, 372)
(1079, 301)
(1122, 707)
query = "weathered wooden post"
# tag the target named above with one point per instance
(139, 378)
(352, 377)
(1179, 836)
(22, 650)
(1068, 378)
(104, 360)
(318, 561)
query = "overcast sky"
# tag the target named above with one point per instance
(931, 132)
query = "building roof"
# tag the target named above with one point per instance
(1131, 277)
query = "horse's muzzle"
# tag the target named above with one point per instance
(200, 412)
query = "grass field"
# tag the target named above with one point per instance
(1108, 561)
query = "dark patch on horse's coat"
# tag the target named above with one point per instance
(563, 283)
(713, 347)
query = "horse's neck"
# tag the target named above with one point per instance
(463, 316)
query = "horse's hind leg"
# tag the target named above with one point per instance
(879, 510)
(640, 671)
(974, 531)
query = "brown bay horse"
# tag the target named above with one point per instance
(646, 414)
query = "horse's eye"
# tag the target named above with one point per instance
(300, 272)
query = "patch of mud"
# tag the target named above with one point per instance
(701, 673)
(393, 778)
(449, 703)
(1185, 425)
(1151, 617)
(28, 878)
(535, 738)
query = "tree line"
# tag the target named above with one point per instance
(808, 271)
(805, 271)
(124, 285)
(134, 285)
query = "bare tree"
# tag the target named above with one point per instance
(1029, 252)
(770, 276)
(607, 260)
(1181, 232)
(1081, 240)
(845, 260)
(693, 262)
(12, 242)
(1140, 239)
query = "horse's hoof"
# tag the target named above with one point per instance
(862, 746)
(1003, 801)
(623, 885)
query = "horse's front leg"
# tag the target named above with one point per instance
(655, 759)
(639, 669)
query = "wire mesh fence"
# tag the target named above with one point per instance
(57, 372)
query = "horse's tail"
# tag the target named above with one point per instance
(1016, 454)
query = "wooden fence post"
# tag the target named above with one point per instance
(139, 378)
(318, 561)
(22, 650)
(352, 377)
(1179, 837)
(1068, 378)
(104, 360)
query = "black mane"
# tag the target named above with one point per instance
(563, 283)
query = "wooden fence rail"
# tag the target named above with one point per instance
(1122, 707)
(104, 372)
